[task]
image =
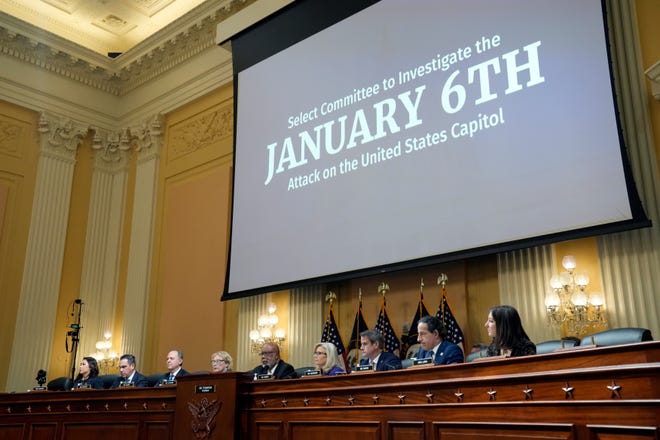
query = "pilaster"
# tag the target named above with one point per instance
(100, 271)
(59, 140)
(147, 140)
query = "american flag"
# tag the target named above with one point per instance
(454, 332)
(384, 326)
(331, 334)
(421, 311)
(359, 325)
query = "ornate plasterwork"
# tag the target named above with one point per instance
(200, 132)
(114, 147)
(60, 134)
(10, 134)
(174, 45)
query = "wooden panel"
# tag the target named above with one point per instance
(501, 431)
(623, 432)
(333, 430)
(267, 431)
(157, 431)
(12, 432)
(101, 431)
(406, 430)
(43, 431)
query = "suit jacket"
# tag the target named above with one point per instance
(448, 353)
(166, 376)
(139, 380)
(386, 362)
(283, 370)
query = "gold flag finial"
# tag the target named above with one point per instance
(360, 294)
(421, 285)
(330, 297)
(442, 280)
(383, 288)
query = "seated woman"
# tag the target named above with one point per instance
(88, 376)
(506, 331)
(220, 362)
(326, 359)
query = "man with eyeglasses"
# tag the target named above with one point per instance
(271, 364)
(128, 376)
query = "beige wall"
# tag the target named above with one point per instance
(18, 163)
(191, 235)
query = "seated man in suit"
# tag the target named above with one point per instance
(128, 375)
(272, 364)
(173, 361)
(431, 336)
(371, 346)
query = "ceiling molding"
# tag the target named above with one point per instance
(185, 38)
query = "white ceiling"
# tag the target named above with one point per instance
(103, 26)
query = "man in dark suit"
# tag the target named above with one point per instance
(128, 375)
(371, 346)
(272, 364)
(431, 336)
(174, 363)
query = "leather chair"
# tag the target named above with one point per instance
(59, 384)
(300, 372)
(412, 351)
(557, 344)
(476, 355)
(108, 379)
(618, 336)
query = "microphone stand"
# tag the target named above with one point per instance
(75, 337)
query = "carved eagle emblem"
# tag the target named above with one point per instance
(203, 416)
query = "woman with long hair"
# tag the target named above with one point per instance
(88, 374)
(508, 336)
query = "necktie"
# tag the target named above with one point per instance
(171, 379)
(432, 354)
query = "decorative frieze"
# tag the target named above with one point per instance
(171, 47)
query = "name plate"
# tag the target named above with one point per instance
(362, 368)
(265, 376)
(40, 388)
(312, 373)
(203, 389)
(426, 362)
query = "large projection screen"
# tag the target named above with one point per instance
(424, 131)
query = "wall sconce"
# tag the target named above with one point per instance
(266, 331)
(107, 359)
(569, 303)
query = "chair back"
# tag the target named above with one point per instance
(412, 351)
(557, 344)
(618, 336)
(59, 384)
(300, 372)
(108, 379)
(476, 355)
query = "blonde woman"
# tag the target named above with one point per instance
(326, 359)
(220, 362)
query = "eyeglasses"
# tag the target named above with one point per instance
(217, 361)
(266, 353)
(319, 353)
